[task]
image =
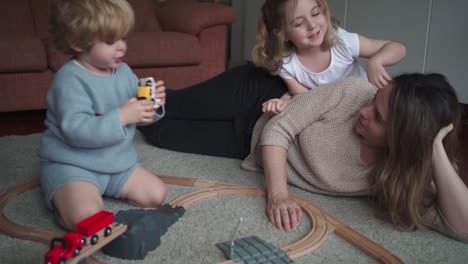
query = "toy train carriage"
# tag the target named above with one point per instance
(62, 249)
(87, 232)
(147, 90)
(92, 225)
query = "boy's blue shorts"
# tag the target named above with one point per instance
(55, 175)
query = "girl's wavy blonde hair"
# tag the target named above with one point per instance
(402, 185)
(270, 47)
(80, 23)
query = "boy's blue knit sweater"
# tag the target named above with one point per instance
(83, 119)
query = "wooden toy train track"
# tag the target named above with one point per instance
(322, 222)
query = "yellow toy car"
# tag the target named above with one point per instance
(147, 90)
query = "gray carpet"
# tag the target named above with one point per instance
(193, 237)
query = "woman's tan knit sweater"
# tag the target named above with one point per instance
(317, 129)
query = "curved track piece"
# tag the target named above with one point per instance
(322, 222)
(15, 230)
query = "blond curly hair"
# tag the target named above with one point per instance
(80, 23)
(270, 47)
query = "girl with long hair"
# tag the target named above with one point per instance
(302, 42)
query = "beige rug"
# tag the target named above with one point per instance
(193, 237)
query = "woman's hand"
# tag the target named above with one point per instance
(452, 193)
(284, 214)
(274, 106)
(443, 132)
(438, 149)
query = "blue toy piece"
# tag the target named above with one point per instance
(253, 250)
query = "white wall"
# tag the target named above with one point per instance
(433, 31)
(244, 29)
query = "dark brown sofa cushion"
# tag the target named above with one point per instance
(40, 14)
(16, 18)
(22, 54)
(146, 49)
(190, 16)
(145, 15)
(182, 52)
(24, 90)
(55, 58)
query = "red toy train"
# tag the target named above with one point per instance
(87, 232)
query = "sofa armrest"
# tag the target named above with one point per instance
(192, 16)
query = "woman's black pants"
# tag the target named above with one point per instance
(216, 117)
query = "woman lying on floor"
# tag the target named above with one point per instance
(396, 144)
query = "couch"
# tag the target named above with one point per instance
(179, 41)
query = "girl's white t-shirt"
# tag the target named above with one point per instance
(344, 54)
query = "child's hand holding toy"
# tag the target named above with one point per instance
(160, 93)
(151, 90)
(136, 111)
(155, 92)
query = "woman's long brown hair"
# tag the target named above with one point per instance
(401, 181)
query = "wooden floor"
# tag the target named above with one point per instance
(22, 123)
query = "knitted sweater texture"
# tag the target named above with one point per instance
(83, 120)
(317, 129)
